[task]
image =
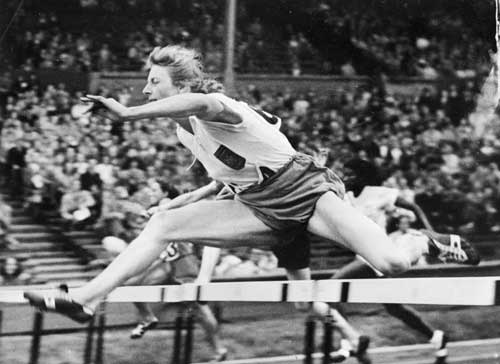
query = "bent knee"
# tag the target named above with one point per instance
(159, 226)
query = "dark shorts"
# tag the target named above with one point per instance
(294, 253)
(286, 200)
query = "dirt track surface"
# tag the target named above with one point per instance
(261, 330)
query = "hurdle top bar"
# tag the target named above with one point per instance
(473, 291)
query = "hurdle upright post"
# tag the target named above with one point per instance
(327, 338)
(36, 338)
(309, 339)
(99, 350)
(188, 339)
(176, 354)
(87, 355)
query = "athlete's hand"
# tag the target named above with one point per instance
(155, 209)
(105, 106)
(152, 210)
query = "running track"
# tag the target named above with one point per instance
(460, 352)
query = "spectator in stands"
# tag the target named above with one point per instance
(104, 62)
(265, 260)
(15, 164)
(91, 181)
(12, 273)
(425, 70)
(120, 217)
(120, 222)
(76, 205)
(34, 190)
(105, 170)
(245, 263)
(6, 241)
(134, 175)
(347, 69)
(229, 262)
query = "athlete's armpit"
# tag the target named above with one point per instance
(220, 111)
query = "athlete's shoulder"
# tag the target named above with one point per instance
(229, 102)
(231, 114)
(246, 113)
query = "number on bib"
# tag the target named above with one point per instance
(171, 252)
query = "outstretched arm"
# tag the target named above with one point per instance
(401, 202)
(204, 106)
(186, 198)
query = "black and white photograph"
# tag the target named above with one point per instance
(249, 181)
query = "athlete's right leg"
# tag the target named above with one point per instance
(226, 223)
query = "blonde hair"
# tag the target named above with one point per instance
(185, 68)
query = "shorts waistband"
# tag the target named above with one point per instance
(271, 175)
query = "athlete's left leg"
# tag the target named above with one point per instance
(452, 248)
(336, 220)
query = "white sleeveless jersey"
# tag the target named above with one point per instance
(232, 153)
(375, 202)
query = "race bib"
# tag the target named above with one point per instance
(230, 158)
(170, 253)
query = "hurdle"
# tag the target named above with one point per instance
(468, 291)
(456, 291)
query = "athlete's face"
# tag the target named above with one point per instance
(159, 84)
(351, 181)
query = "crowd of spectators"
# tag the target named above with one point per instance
(46, 41)
(439, 44)
(443, 45)
(56, 156)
